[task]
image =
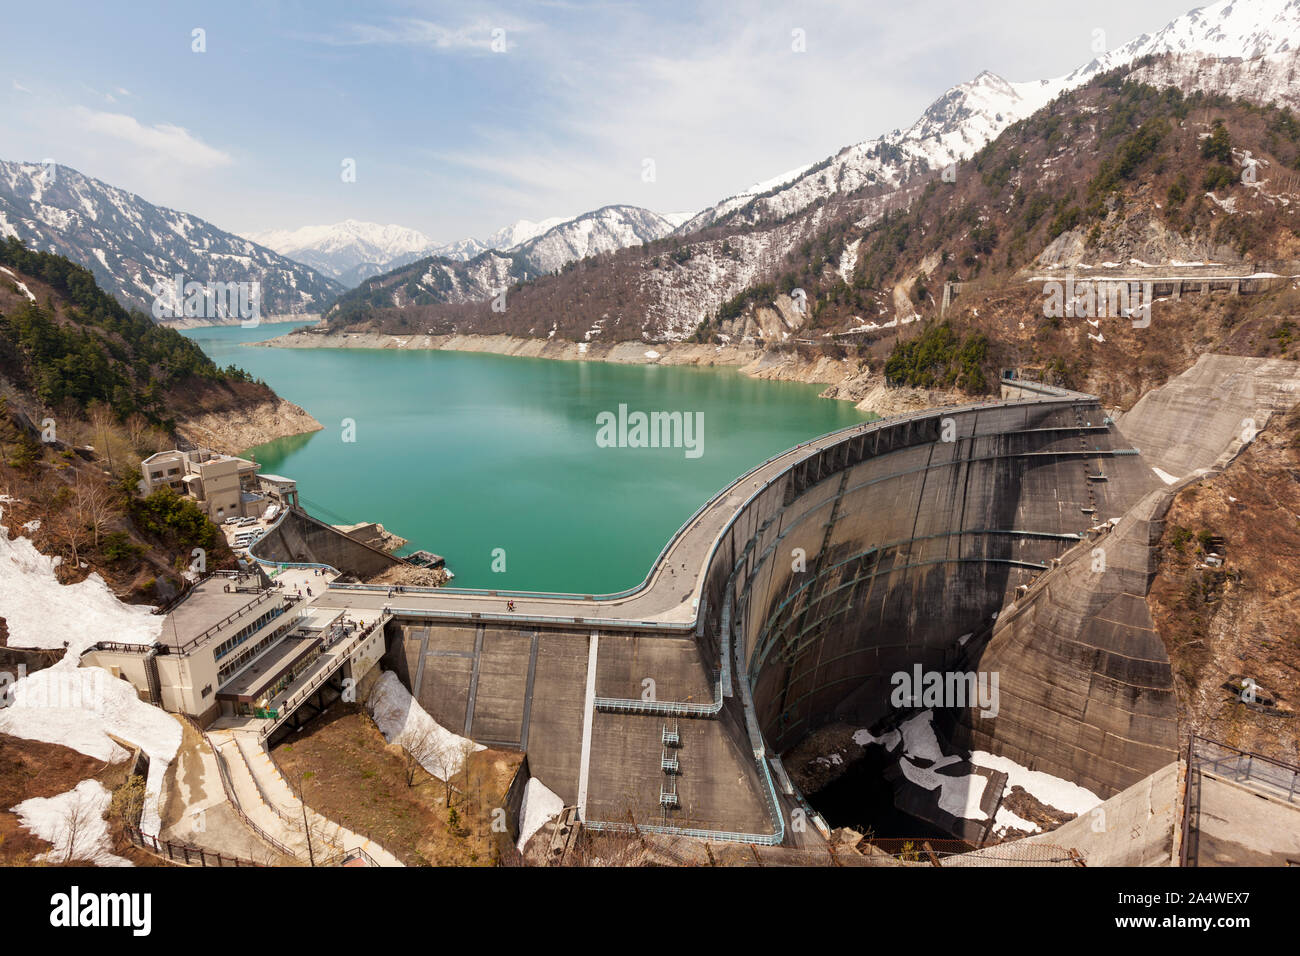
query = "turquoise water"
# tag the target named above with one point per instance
(463, 453)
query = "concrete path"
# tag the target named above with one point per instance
(1240, 824)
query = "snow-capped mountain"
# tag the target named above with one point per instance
(348, 251)
(971, 114)
(522, 230)
(603, 230)
(352, 251)
(437, 278)
(460, 250)
(1265, 79)
(132, 245)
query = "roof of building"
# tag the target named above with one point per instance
(207, 604)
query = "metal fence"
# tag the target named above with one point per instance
(182, 852)
(959, 853)
(1264, 773)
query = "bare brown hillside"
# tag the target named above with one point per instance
(1224, 624)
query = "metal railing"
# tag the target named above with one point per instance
(1244, 766)
(515, 618)
(183, 853)
(714, 836)
(289, 704)
(1186, 830)
(1264, 775)
(239, 810)
(354, 854)
(663, 708)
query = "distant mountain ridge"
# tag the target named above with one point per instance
(131, 245)
(440, 279)
(348, 251)
(352, 251)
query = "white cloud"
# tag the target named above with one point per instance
(20, 88)
(163, 141)
(475, 36)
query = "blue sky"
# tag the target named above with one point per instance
(456, 139)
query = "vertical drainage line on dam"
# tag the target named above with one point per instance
(528, 693)
(419, 667)
(588, 716)
(473, 681)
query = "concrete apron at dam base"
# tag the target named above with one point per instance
(962, 538)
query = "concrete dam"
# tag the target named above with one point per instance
(963, 538)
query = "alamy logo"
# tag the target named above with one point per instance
(651, 430)
(81, 689)
(922, 688)
(74, 908)
(208, 300)
(1098, 299)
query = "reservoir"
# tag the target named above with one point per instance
(570, 475)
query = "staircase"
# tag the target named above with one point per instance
(151, 677)
(273, 808)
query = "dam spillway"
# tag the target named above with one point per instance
(790, 598)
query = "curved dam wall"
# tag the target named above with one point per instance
(1087, 692)
(819, 575)
(899, 547)
(963, 538)
(1086, 689)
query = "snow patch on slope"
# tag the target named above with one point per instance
(73, 823)
(79, 707)
(539, 806)
(403, 721)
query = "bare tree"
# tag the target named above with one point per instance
(69, 525)
(78, 818)
(102, 421)
(138, 433)
(92, 504)
(422, 749)
(473, 776)
(446, 762)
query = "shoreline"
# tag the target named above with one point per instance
(185, 325)
(849, 380)
(234, 431)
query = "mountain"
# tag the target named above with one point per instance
(973, 113)
(1264, 79)
(604, 230)
(521, 231)
(348, 251)
(131, 245)
(353, 252)
(114, 387)
(730, 282)
(436, 279)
